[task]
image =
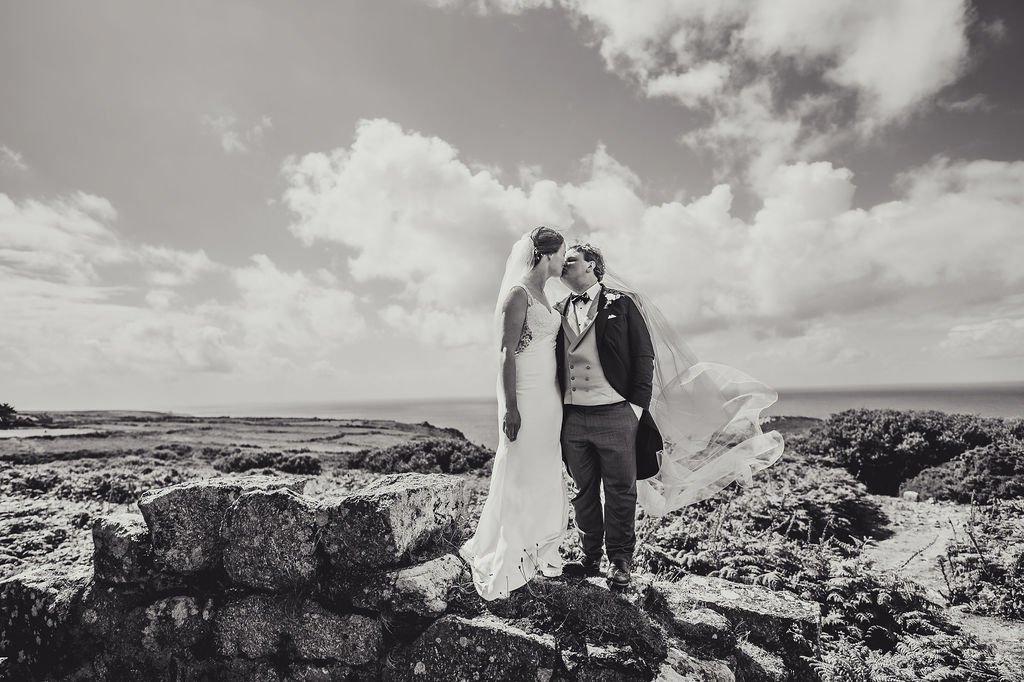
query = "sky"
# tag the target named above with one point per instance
(252, 201)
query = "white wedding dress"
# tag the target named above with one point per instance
(524, 518)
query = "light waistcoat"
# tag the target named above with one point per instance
(585, 382)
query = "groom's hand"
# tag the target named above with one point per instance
(511, 423)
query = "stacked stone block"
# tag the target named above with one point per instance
(247, 578)
(231, 578)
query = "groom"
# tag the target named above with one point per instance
(609, 439)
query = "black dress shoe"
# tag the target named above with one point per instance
(618, 574)
(587, 566)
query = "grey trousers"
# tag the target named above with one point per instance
(599, 448)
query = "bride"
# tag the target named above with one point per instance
(708, 414)
(526, 512)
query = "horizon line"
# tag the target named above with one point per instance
(782, 391)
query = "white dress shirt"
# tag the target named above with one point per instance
(581, 308)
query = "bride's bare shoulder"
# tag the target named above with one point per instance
(516, 297)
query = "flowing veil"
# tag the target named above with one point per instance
(517, 266)
(709, 416)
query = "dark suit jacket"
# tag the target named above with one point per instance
(627, 358)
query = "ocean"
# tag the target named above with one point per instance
(478, 417)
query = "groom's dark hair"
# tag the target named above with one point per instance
(591, 254)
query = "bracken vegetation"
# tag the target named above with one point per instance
(984, 568)
(803, 526)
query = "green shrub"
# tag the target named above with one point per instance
(261, 459)
(8, 415)
(298, 464)
(884, 448)
(991, 472)
(244, 461)
(427, 455)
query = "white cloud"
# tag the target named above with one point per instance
(235, 138)
(748, 130)
(167, 343)
(440, 327)
(64, 241)
(279, 322)
(10, 159)
(894, 55)
(426, 235)
(161, 299)
(839, 258)
(71, 240)
(995, 30)
(1002, 338)
(968, 105)
(415, 214)
(292, 310)
(692, 87)
(808, 254)
(608, 197)
(171, 267)
(485, 6)
(818, 345)
(70, 314)
(779, 80)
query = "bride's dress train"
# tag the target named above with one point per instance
(527, 508)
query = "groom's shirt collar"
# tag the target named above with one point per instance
(594, 291)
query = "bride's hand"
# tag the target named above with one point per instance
(510, 425)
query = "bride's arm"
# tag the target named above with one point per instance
(513, 317)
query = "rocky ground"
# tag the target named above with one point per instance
(276, 577)
(52, 486)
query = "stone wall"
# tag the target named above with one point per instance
(246, 578)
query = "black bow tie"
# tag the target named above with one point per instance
(579, 298)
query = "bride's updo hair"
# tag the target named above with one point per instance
(545, 241)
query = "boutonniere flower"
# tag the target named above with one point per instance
(610, 297)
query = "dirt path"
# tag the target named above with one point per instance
(921, 533)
